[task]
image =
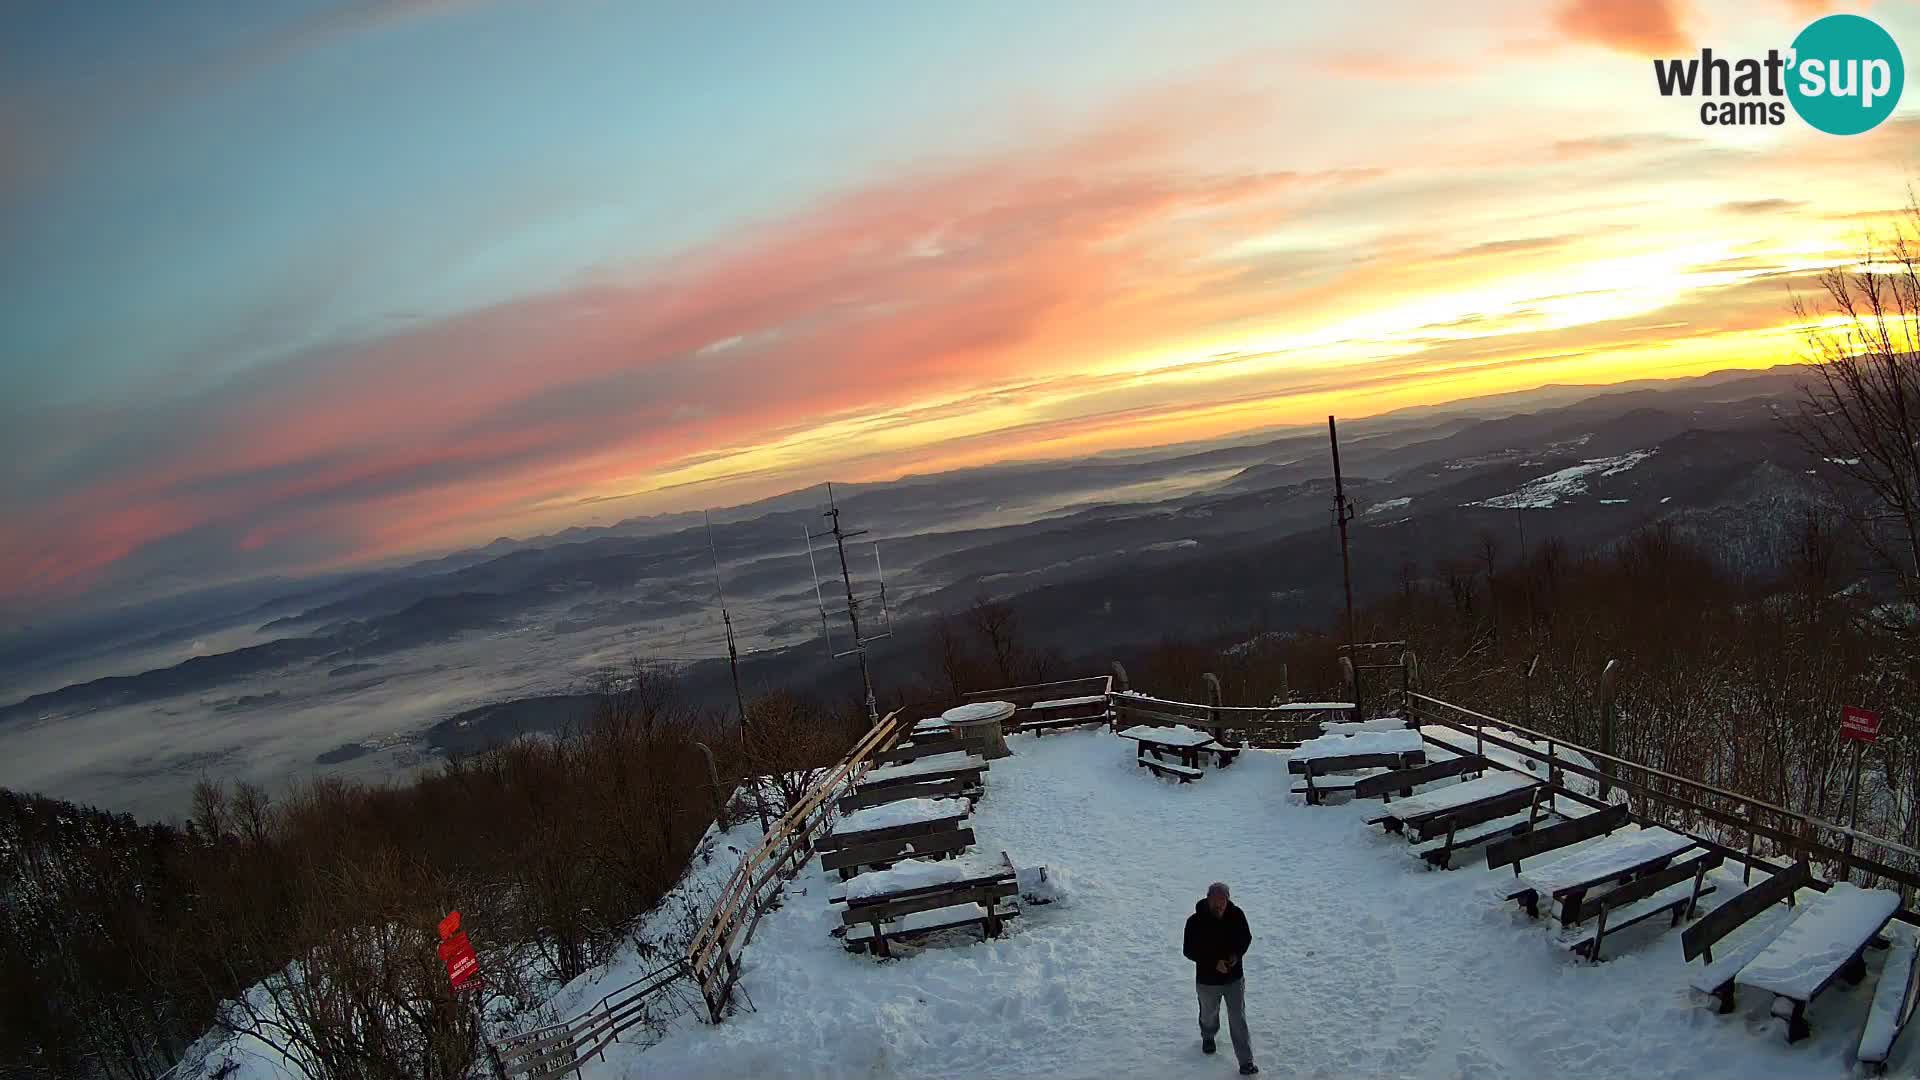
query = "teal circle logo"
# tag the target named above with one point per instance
(1847, 74)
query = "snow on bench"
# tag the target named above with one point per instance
(1674, 900)
(1176, 735)
(1596, 861)
(955, 761)
(921, 922)
(1439, 850)
(1829, 933)
(1186, 774)
(913, 874)
(1400, 741)
(1713, 977)
(905, 812)
(1351, 728)
(1068, 702)
(1893, 1002)
(1315, 706)
(1453, 796)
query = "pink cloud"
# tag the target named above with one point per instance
(1640, 27)
(1020, 268)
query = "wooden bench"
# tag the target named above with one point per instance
(1318, 784)
(912, 751)
(1466, 835)
(1383, 785)
(1716, 978)
(1643, 898)
(1512, 851)
(1821, 946)
(847, 860)
(1183, 773)
(846, 852)
(1599, 863)
(1893, 1003)
(950, 788)
(870, 921)
(920, 771)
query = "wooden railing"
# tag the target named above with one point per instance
(713, 957)
(1023, 698)
(1272, 726)
(712, 961)
(1743, 828)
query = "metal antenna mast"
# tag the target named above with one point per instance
(859, 649)
(1342, 513)
(733, 664)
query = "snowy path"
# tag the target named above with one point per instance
(1363, 964)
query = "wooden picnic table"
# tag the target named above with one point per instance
(1822, 944)
(1366, 744)
(920, 770)
(1416, 810)
(1188, 743)
(917, 897)
(1586, 866)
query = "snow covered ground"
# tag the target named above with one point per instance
(1364, 962)
(1545, 491)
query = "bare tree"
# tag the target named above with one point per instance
(1861, 398)
(994, 619)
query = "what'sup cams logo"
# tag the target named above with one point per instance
(1843, 75)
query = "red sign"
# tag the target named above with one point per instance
(457, 952)
(1858, 723)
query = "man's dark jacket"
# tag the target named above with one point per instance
(1211, 940)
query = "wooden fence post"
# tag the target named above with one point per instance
(1214, 696)
(1409, 678)
(719, 800)
(1352, 679)
(1120, 678)
(1286, 690)
(1609, 684)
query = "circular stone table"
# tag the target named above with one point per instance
(977, 727)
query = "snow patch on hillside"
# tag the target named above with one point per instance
(1549, 490)
(1389, 505)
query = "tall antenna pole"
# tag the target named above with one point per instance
(840, 538)
(1342, 513)
(733, 664)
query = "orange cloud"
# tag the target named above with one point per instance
(1640, 27)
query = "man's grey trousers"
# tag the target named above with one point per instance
(1235, 994)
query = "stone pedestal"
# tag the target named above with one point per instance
(977, 727)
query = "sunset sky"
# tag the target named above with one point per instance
(289, 286)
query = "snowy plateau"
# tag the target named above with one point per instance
(1546, 491)
(1364, 963)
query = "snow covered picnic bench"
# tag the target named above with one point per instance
(1382, 785)
(1716, 977)
(1595, 864)
(928, 766)
(1183, 742)
(910, 828)
(1823, 944)
(1893, 1002)
(1460, 816)
(1339, 753)
(918, 897)
(1829, 947)
(1659, 892)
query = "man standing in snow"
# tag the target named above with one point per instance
(1217, 937)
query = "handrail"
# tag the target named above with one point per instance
(1701, 785)
(798, 822)
(590, 1032)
